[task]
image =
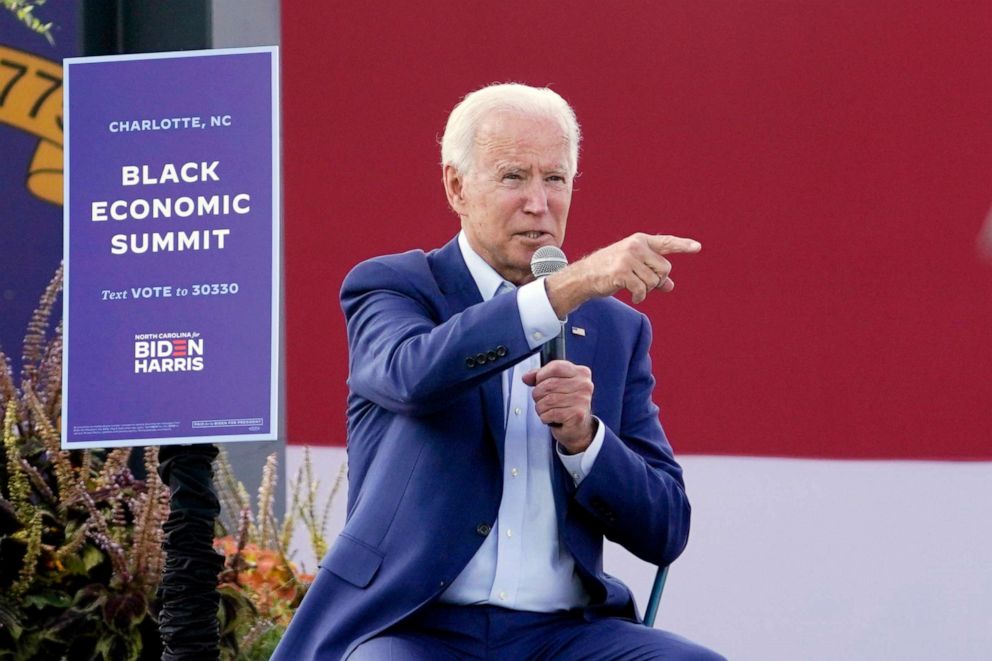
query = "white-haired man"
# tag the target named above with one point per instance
(481, 484)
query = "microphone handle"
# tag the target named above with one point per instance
(554, 350)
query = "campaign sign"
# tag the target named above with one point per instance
(171, 248)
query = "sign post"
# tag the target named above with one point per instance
(172, 265)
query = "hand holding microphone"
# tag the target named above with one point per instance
(562, 391)
(563, 400)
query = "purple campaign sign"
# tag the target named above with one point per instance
(171, 248)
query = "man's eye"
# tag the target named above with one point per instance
(557, 178)
(512, 175)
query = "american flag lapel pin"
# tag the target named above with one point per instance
(578, 330)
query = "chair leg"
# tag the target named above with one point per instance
(659, 586)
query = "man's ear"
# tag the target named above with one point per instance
(454, 186)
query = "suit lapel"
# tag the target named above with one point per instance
(460, 291)
(453, 278)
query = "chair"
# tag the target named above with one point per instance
(659, 586)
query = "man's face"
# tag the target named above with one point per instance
(516, 197)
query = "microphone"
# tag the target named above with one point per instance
(548, 260)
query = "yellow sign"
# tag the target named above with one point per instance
(31, 100)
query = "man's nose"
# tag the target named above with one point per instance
(537, 197)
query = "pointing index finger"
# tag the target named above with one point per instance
(665, 244)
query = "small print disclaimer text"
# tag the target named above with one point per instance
(229, 422)
(130, 428)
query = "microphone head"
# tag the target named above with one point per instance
(547, 260)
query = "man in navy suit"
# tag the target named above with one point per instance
(481, 484)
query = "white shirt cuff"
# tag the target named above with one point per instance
(578, 465)
(536, 314)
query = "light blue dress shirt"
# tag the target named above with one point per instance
(523, 564)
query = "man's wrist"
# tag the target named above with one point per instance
(580, 445)
(564, 291)
(579, 465)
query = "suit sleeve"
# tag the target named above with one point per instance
(634, 491)
(406, 354)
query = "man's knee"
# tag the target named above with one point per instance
(618, 639)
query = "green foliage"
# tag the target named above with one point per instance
(80, 535)
(260, 586)
(23, 10)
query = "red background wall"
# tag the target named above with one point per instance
(834, 158)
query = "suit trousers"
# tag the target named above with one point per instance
(448, 632)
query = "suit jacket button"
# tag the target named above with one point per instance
(480, 359)
(470, 362)
(501, 351)
(483, 529)
(491, 356)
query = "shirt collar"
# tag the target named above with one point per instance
(486, 278)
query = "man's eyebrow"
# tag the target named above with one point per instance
(505, 166)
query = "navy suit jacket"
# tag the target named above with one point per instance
(425, 449)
